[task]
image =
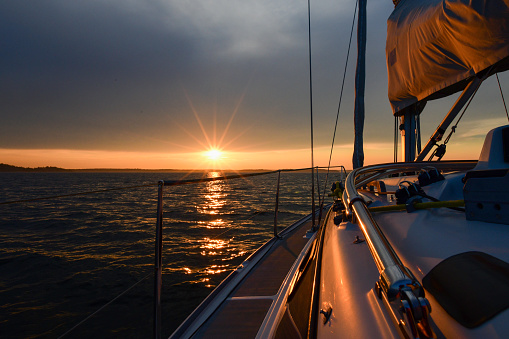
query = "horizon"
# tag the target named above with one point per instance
(4, 168)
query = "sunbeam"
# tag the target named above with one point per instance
(214, 142)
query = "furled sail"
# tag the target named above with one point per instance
(435, 46)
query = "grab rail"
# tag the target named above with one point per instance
(388, 263)
(396, 281)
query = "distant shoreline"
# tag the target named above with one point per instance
(5, 168)
(52, 169)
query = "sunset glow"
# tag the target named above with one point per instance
(269, 159)
(229, 95)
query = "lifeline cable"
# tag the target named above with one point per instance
(105, 305)
(167, 183)
(311, 115)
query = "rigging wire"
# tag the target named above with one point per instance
(439, 152)
(340, 99)
(502, 94)
(396, 134)
(311, 115)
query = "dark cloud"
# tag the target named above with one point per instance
(125, 75)
(64, 63)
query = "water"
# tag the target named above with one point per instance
(62, 260)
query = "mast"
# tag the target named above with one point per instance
(360, 81)
(408, 134)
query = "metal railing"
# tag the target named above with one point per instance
(159, 228)
(396, 281)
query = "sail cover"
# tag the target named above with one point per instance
(434, 47)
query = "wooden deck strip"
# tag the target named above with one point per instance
(270, 272)
(236, 319)
(242, 318)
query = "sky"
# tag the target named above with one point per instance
(155, 84)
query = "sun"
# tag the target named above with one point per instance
(213, 154)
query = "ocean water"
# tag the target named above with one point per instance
(82, 266)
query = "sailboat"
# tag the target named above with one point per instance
(412, 249)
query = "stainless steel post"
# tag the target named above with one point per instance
(277, 203)
(158, 279)
(320, 200)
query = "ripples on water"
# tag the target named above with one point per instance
(63, 259)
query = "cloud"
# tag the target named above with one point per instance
(114, 75)
(480, 127)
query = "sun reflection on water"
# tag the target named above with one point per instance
(215, 269)
(214, 246)
(215, 197)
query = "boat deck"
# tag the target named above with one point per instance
(242, 314)
(243, 311)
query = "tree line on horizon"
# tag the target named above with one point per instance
(11, 168)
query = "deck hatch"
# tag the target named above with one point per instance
(472, 287)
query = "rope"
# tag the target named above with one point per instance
(339, 103)
(424, 195)
(419, 206)
(502, 94)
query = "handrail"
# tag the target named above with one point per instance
(397, 284)
(388, 263)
